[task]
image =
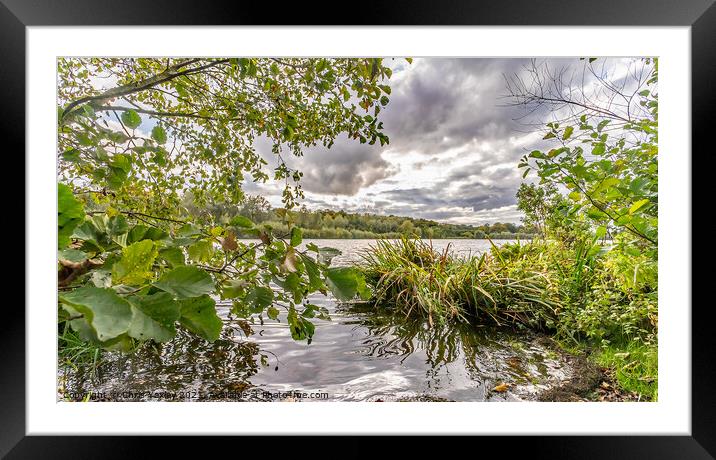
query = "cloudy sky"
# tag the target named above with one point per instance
(455, 142)
(453, 152)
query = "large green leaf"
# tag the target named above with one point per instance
(185, 282)
(259, 297)
(173, 256)
(154, 317)
(131, 119)
(314, 274)
(142, 232)
(73, 255)
(120, 343)
(117, 225)
(199, 316)
(346, 282)
(135, 267)
(70, 213)
(296, 236)
(201, 251)
(637, 206)
(159, 134)
(107, 313)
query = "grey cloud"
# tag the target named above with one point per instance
(446, 103)
(343, 169)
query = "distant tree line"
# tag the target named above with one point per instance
(341, 224)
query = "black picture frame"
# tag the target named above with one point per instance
(700, 15)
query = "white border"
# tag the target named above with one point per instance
(670, 415)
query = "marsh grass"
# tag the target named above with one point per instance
(75, 352)
(410, 276)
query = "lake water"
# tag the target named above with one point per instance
(360, 355)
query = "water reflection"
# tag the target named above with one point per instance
(362, 354)
(187, 368)
(484, 355)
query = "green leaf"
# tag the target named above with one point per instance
(567, 132)
(623, 220)
(314, 274)
(199, 316)
(300, 327)
(259, 297)
(637, 206)
(201, 251)
(241, 221)
(159, 134)
(106, 313)
(117, 225)
(345, 282)
(70, 213)
(142, 232)
(185, 282)
(153, 317)
(601, 231)
(131, 119)
(173, 256)
(135, 267)
(575, 196)
(272, 312)
(122, 162)
(71, 155)
(296, 236)
(72, 255)
(233, 288)
(595, 213)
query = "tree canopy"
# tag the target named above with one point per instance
(135, 135)
(148, 129)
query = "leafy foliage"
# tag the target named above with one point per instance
(178, 125)
(133, 264)
(611, 174)
(70, 213)
(134, 285)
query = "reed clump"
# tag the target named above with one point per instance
(411, 276)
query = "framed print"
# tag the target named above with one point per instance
(441, 222)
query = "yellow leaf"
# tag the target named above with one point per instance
(501, 388)
(638, 205)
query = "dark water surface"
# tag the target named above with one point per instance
(360, 355)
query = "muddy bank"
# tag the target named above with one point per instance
(589, 382)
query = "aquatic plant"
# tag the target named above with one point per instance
(577, 293)
(411, 276)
